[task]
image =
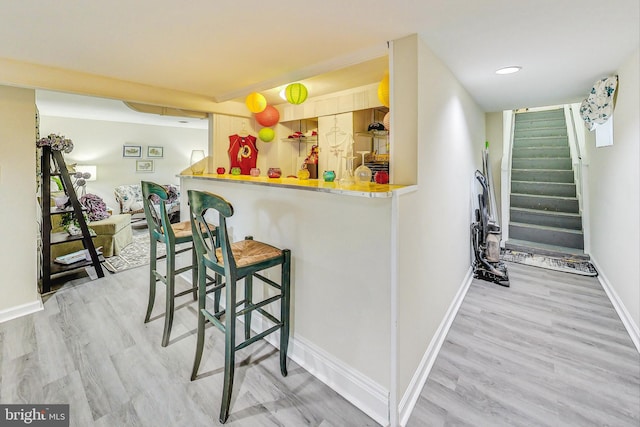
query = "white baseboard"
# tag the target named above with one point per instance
(618, 305)
(21, 310)
(364, 393)
(361, 391)
(410, 397)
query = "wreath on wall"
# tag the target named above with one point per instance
(598, 107)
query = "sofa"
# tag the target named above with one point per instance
(129, 198)
(112, 234)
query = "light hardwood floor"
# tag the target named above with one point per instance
(548, 351)
(91, 349)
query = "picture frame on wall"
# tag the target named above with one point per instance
(155, 151)
(144, 165)
(131, 151)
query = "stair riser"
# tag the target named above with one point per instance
(539, 115)
(549, 141)
(542, 163)
(546, 219)
(542, 176)
(549, 237)
(544, 189)
(542, 203)
(540, 152)
(537, 124)
(559, 131)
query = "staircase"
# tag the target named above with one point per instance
(545, 213)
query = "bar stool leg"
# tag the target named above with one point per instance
(194, 271)
(229, 347)
(248, 295)
(216, 294)
(285, 310)
(152, 279)
(202, 297)
(171, 290)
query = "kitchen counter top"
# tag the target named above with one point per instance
(372, 190)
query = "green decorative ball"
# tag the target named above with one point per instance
(296, 93)
(266, 134)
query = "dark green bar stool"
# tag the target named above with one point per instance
(162, 231)
(235, 261)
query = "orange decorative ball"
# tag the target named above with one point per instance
(256, 102)
(386, 121)
(268, 117)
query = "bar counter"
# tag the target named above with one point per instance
(342, 244)
(372, 190)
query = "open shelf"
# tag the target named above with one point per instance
(63, 237)
(374, 133)
(52, 164)
(305, 139)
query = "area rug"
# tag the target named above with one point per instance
(133, 255)
(564, 264)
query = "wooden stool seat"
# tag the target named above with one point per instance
(182, 230)
(247, 252)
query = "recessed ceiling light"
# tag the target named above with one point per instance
(509, 70)
(282, 94)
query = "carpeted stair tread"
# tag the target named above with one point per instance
(540, 141)
(545, 203)
(529, 152)
(565, 189)
(541, 163)
(553, 121)
(552, 213)
(561, 220)
(545, 234)
(546, 227)
(542, 175)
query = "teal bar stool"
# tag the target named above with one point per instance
(235, 261)
(161, 231)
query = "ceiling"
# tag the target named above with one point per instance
(225, 50)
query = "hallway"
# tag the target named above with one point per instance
(548, 351)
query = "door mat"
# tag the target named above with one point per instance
(564, 264)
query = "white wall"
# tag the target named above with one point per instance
(433, 239)
(100, 143)
(18, 210)
(614, 199)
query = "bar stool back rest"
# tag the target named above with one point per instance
(162, 231)
(235, 261)
(153, 217)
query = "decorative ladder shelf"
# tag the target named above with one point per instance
(50, 269)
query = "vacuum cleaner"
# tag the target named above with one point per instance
(486, 233)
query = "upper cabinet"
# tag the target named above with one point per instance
(360, 98)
